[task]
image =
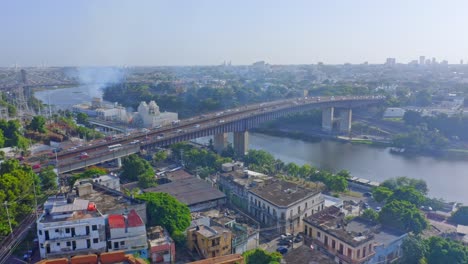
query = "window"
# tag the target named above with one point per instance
(370, 248)
(58, 244)
(56, 230)
(349, 252)
(68, 244)
(40, 232)
(364, 252)
(306, 205)
(122, 243)
(305, 216)
(318, 234)
(67, 230)
(333, 243)
(299, 209)
(305, 230)
(41, 245)
(94, 227)
(116, 245)
(95, 240)
(358, 253)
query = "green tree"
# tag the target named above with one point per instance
(414, 249)
(160, 156)
(370, 215)
(260, 256)
(408, 193)
(404, 216)
(344, 173)
(38, 124)
(381, 193)
(167, 211)
(2, 139)
(48, 178)
(135, 168)
(445, 251)
(292, 169)
(460, 216)
(82, 118)
(395, 183)
(305, 171)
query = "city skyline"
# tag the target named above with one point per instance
(116, 33)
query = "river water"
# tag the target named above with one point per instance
(447, 178)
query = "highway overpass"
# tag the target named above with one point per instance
(336, 115)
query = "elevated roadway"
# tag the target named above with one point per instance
(238, 120)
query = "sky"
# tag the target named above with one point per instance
(208, 32)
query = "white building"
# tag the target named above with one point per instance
(70, 227)
(283, 204)
(128, 233)
(110, 181)
(150, 116)
(99, 110)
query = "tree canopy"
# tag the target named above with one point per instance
(460, 216)
(260, 256)
(38, 124)
(404, 216)
(167, 211)
(135, 168)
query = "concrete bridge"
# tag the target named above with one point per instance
(336, 116)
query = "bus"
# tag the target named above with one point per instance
(114, 147)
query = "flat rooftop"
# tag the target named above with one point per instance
(282, 193)
(190, 191)
(306, 255)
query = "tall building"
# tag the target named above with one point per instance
(70, 227)
(390, 61)
(422, 60)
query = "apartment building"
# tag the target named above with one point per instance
(209, 242)
(283, 204)
(70, 227)
(356, 242)
(127, 233)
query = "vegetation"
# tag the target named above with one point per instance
(38, 124)
(167, 211)
(17, 185)
(11, 135)
(135, 168)
(88, 173)
(433, 250)
(48, 178)
(404, 216)
(395, 183)
(370, 215)
(260, 256)
(381, 193)
(460, 216)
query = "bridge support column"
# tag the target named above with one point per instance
(345, 120)
(220, 142)
(119, 162)
(327, 119)
(241, 143)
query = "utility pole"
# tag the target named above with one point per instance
(8, 215)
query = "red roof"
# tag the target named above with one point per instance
(116, 221)
(134, 219)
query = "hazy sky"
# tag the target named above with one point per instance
(191, 32)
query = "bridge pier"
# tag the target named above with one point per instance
(220, 142)
(241, 143)
(327, 119)
(345, 120)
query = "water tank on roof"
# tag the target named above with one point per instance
(91, 206)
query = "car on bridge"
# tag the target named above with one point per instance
(196, 126)
(83, 155)
(136, 141)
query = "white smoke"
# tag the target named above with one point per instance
(97, 78)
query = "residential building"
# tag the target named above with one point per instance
(161, 246)
(235, 182)
(104, 258)
(283, 204)
(358, 241)
(244, 237)
(70, 227)
(127, 233)
(209, 242)
(197, 194)
(111, 181)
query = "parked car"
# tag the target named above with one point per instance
(298, 239)
(36, 166)
(367, 194)
(285, 242)
(282, 250)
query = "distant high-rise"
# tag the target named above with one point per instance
(422, 59)
(461, 62)
(390, 61)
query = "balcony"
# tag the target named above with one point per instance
(68, 238)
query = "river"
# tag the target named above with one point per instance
(447, 178)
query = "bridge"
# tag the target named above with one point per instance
(336, 116)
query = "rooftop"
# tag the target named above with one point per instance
(282, 193)
(116, 221)
(134, 219)
(212, 231)
(331, 220)
(157, 236)
(306, 255)
(59, 208)
(190, 191)
(245, 178)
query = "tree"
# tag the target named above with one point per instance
(2, 139)
(460, 216)
(395, 183)
(167, 211)
(160, 156)
(404, 216)
(48, 178)
(135, 168)
(445, 251)
(381, 193)
(38, 124)
(292, 169)
(344, 173)
(370, 215)
(414, 249)
(305, 171)
(260, 256)
(408, 193)
(82, 118)
(412, 118)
